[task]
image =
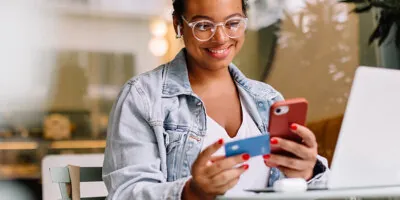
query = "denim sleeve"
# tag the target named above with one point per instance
(132, 162)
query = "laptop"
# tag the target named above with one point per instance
(367, 152)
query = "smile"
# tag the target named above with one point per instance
(219, 53)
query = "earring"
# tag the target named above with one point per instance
(179, 35)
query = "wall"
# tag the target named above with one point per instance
(369, 54)
(103, 34)
(317, 56)
(247, 59)
(96, 34)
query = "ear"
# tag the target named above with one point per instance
(177, 26)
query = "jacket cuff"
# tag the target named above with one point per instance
(318, 171)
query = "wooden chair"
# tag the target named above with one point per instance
(62, 176)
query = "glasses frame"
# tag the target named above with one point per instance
(193, 24)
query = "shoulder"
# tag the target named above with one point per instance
(142, 92)
(150, 77)
(264, 90)
(147, 82)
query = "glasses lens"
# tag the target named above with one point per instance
(203, 30)
(235, 27)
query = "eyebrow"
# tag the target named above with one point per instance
(210, 18)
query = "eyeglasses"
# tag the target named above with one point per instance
(204, 30)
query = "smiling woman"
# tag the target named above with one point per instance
(167, 126)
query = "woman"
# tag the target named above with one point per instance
(168, 125)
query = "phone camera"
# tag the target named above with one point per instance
(282, 110)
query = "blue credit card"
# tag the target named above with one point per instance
(254, 146)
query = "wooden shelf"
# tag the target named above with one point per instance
(78, 144)
(29, 145)
(17, 171)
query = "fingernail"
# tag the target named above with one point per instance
(246, 156)
(293, 127)
(274, 141)
(220, 141)
(266, 156)
(245, 166)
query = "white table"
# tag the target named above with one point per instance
(371, 193)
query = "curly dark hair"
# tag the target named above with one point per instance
(179, 7)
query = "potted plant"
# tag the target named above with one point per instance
(387, 30)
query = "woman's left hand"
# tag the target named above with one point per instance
(301, 167)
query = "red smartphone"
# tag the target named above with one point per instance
(282, 115)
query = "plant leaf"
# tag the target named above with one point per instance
(361, 9)
(381, 4)
(386, 22)
(376, 34)
(352, 1)
(385, 33)
(389, 4)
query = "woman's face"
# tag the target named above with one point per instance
(219, 51)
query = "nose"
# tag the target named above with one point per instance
(220, 35)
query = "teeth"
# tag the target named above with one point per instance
(218, 51)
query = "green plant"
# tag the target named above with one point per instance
(389, 15)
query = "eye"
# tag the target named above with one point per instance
(233, 24)
(204, 26)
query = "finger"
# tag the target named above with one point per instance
(225, 164)
(270, 164)
(205, 155)
(297, 149)
(214, 159)
(289, 162)
(227, 176)
(305, 133)
(222, 190)
(217, 158)
(292, 173)
(289, 173)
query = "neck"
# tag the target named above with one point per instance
(204, 76)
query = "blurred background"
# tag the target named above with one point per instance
(62, 64)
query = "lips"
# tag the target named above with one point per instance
(219, 53)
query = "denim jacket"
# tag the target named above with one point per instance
(156, 130)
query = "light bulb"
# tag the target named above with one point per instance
(158, 28)
(158, 46)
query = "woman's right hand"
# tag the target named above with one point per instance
(212, 176)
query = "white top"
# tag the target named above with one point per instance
(257, 174)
